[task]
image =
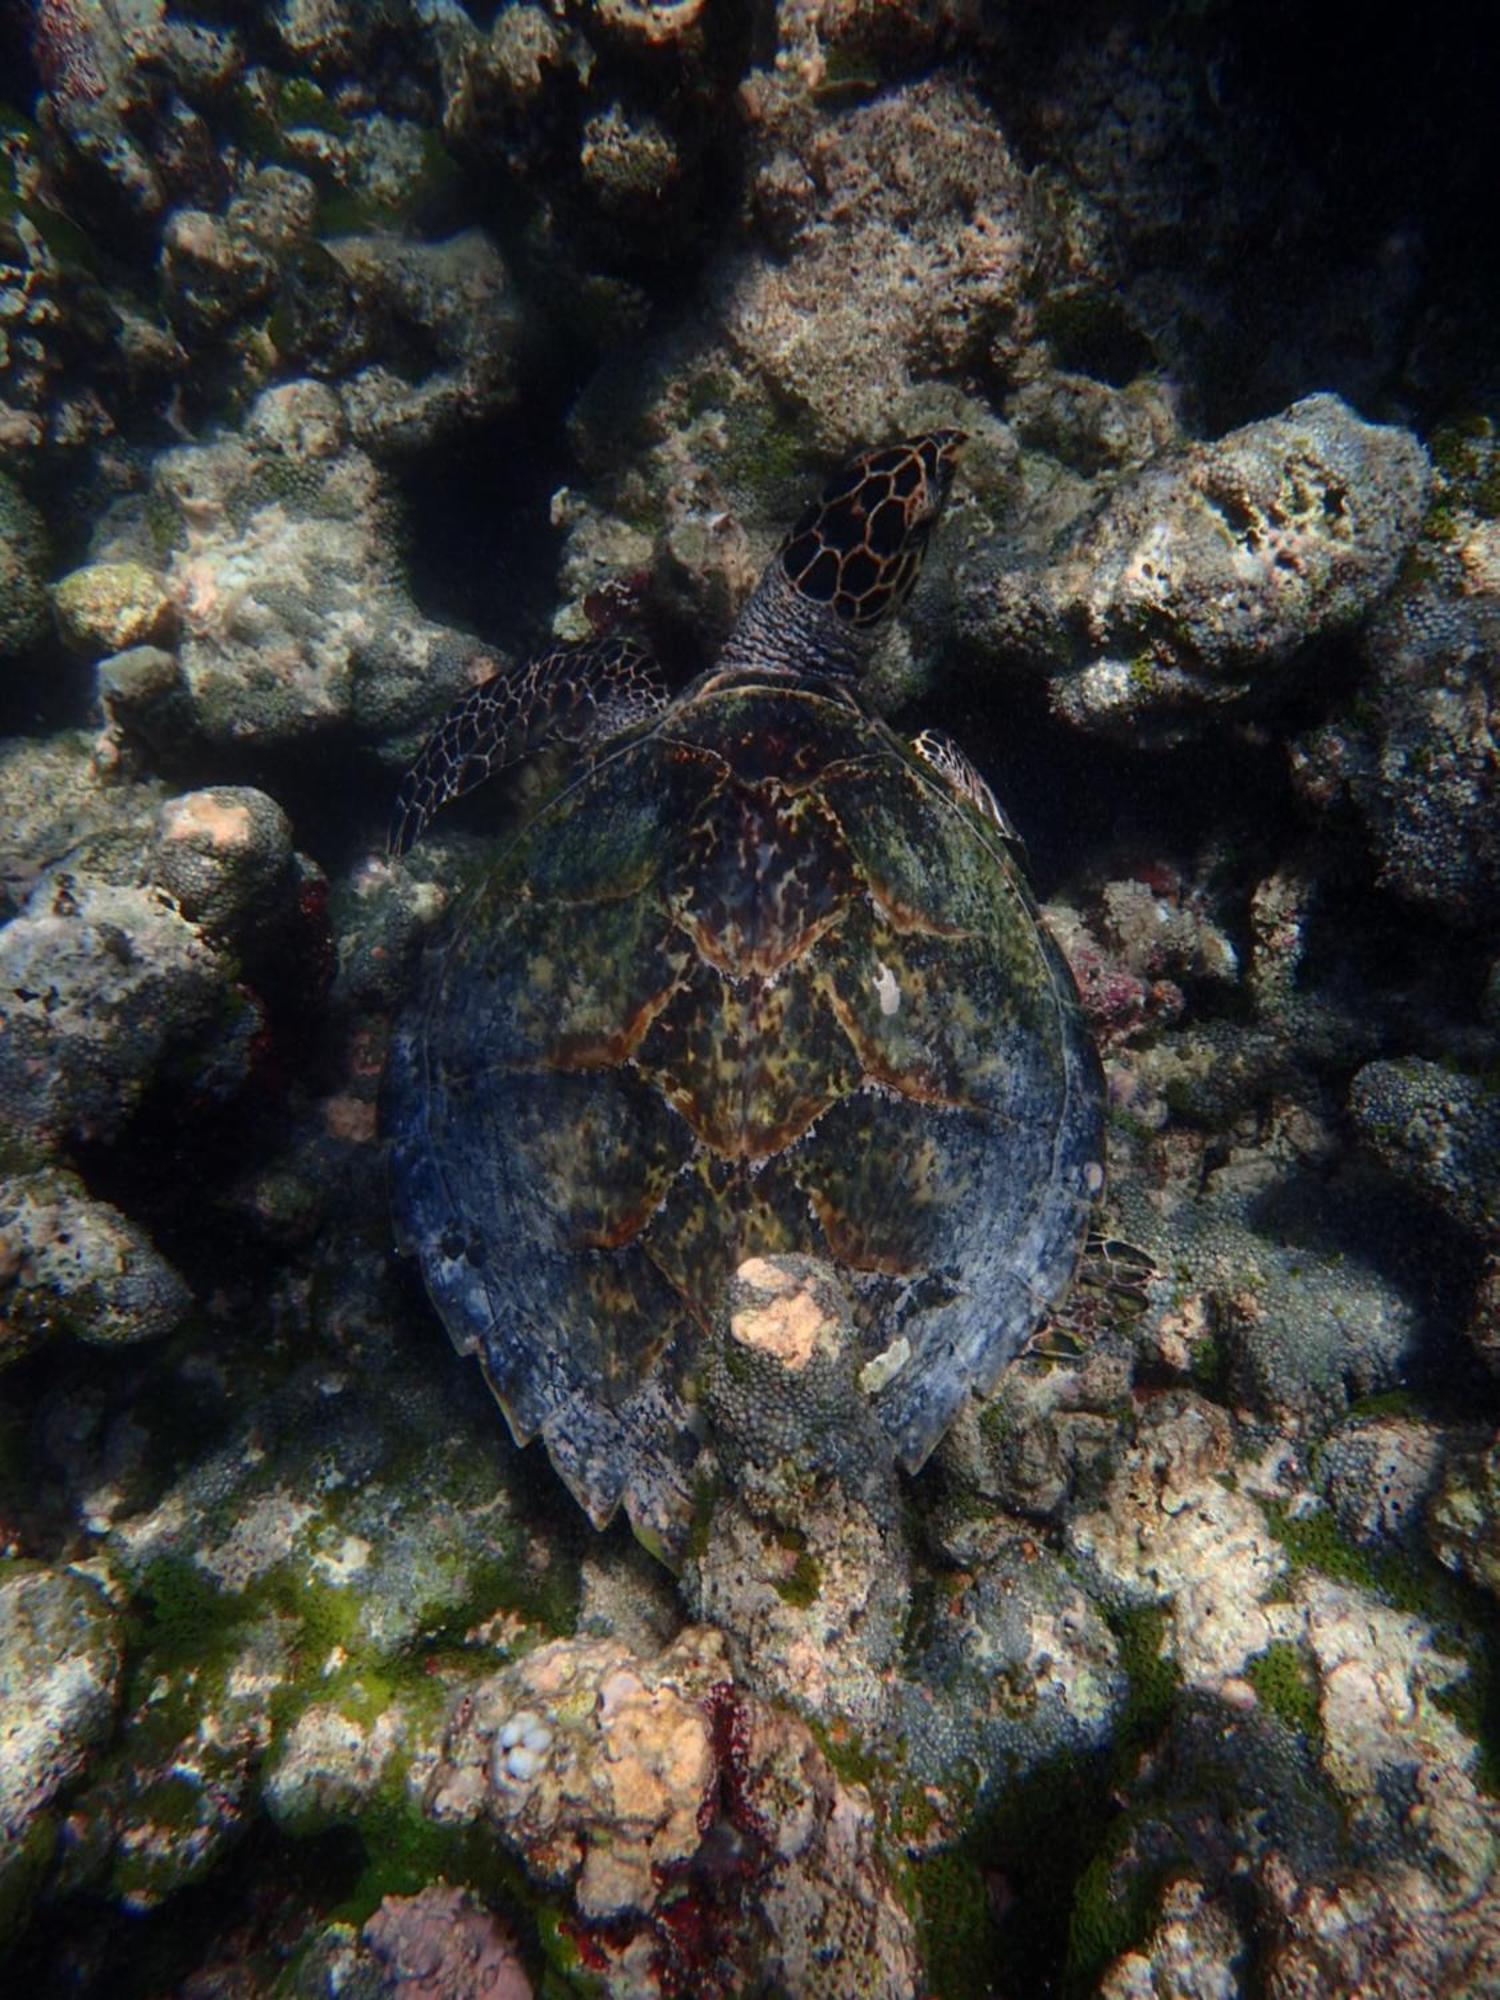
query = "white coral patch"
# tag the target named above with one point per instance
(887, 991)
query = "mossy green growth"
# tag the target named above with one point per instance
(441, 174)
(1285, 1680)
(848, 74)
(25, 1866)
(175, 1803)
(173, 1811)
(1151, 1680)
(705, 1499)
(351, 210)
(404, 1850)
(1106, 1919)
(1440, 524)
(708, 391)
(253, 128)
(341, 212)
(69, 244)
(803, 1586)
(771, 454)
(565, 1976)
(848, 1756)
(1038, 1837)
(910, 1813)
(1387, 1403)
(1464, 1619)
(1469, 466)
(163, 523)
(1315, 1541)
(1474, 1704)
(997, 1422)
(186, 1619)
(956, 1931)
(301, 102)
(506, 1581)
(1144, 675)
(1208, 1364)
(326, 1617)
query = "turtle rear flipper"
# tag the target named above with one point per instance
(941, 754)
(574, 694)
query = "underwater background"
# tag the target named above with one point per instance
(350, 354)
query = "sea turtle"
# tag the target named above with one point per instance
(756, 977)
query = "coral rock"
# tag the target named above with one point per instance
(106, 607)
(286, 575)
(618, 1789)
(69, 1263)
(1437, 1129)
(59, 1670)
(442, 1945)
(1193, 583)
(107, 993)
(221, 853)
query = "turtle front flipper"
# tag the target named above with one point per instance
(573, 694)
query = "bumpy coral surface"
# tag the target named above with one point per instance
(1197, 577)
(349, 352)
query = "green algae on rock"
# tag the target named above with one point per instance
(23, 566)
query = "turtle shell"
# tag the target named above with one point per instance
(756, 980)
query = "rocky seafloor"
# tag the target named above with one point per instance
(349, 352)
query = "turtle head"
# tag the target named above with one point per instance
(859, 548)
(849, 564)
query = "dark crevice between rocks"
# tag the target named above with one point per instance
(1325, 198)
(1071, 796)
(252, 1916)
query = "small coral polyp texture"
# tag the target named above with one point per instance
(618, 1777)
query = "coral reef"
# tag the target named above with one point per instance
(349, 352)
(1414, 755)
(623, 1776)
(1196, 580)
(281, 562)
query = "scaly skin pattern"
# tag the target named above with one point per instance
(859, 547)
(574, 694)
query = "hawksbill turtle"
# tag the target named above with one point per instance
(756, 977)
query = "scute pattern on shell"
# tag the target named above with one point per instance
(756, 980)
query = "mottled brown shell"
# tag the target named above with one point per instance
(758, 980)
